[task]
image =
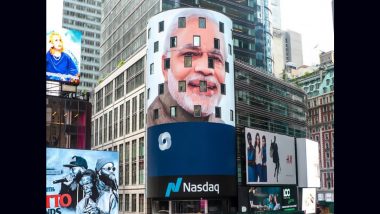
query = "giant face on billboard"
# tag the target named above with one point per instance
(270, 158)
(63, 55)
(189, 68)
(81, 181)
(190, 99)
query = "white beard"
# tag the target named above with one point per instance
(207, 103)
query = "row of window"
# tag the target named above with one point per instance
(128, 202)
(136, 116)
(182, 24)
(196, 43)
(136, 160)
(197, 112)
(134, 78)
(269, 124)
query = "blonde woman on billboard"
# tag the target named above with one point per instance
(193, 68)
(59, 65)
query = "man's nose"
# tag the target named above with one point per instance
(201, 66)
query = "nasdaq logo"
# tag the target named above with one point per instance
(173, 187)
(164, 141)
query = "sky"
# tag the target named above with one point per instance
(313, 19)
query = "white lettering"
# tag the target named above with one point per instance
(206, 187)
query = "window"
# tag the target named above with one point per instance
(127, 202)
(221, 27)
(141, 203)
(327, 82)
(151, 68)
(105, 127)
(181, 22)
(231, 115)
(121, 167)
(229, 49)
(127, 149)
(134, 113)
(115, 120)
(161, 88)
(121, 202)
(187, 61)
(155, 47)
(223, 88)
(161, 26)
(133, 202)
(147, 93)
(110, 125)
(128, 114)
(173, 111)
(155, 114)
(326, 136)
(216, 43)
(197, 110)
(182, 86)
(167, 63)
(196, 41)
(121, 120)
(202, 22)
(227, 67)
(210, 62)
(148, 33)
(218, 112)
(141, 109)
(202, 86)
(173, 42)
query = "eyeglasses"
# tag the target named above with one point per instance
(109, 168)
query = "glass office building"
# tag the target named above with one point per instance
(252, 27)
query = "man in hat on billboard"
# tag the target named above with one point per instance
(107, 186)
(70, 184)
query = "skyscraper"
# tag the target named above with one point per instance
(85, 16)
(293, 47)
(124, 26)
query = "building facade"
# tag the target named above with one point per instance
(293, 48)
(85, 16)
(68, 122)
(124, 27)
(124, 44)
(119, 125)
(319, 86)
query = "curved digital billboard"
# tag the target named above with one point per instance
(189, 72)
(63, 50)
(190, 105)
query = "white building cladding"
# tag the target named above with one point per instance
(118, 124)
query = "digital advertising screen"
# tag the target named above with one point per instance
(271, 198)
(63, 52)
(270, 158)
(193, 159)
(81, 181)
(189, 71)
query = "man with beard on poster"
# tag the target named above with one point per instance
(107, 186)
(70, 183)
(193, 67)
